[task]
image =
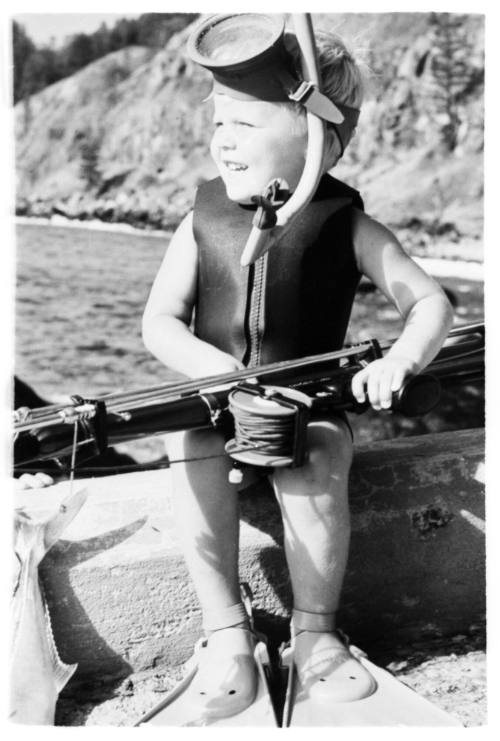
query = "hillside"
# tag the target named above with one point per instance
(125, 139)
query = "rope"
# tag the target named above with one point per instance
(129, 467)
(272, 433)
(73, 459)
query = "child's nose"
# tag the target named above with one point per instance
(225, 138)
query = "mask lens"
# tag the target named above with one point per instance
(232, 40)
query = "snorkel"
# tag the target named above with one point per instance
(247, 56)
(261, 239)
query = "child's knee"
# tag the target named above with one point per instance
(329, 457)
(329, 440)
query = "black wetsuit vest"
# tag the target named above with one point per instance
(295, 300)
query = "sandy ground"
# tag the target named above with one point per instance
(449, 672)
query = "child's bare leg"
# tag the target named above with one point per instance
(315, 510)
(207, 516)
(206, 509)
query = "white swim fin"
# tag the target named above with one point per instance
(182, 707)
(391, 704)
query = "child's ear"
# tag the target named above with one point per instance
(332, 149)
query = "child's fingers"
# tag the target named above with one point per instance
(385, 390)
(397, 379)
(379, 387)
(44, 478)
(378, 381)
(373, 388)
(28, 481)
(358, 385)
(34, 481)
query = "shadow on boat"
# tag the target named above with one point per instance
(67, 612)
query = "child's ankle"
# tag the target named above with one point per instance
(243, 625)
(234, 616)
(313, 622)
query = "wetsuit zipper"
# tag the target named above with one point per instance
(256, 313)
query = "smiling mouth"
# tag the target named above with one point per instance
(235, 166)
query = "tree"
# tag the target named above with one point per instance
(79, 52)
(124, 33)
(155, 29)
(101, 41)
(450, 71)
(22, 48)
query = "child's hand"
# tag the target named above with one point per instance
(33, 481)
(381, 378)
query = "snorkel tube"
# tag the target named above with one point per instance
(261, 239)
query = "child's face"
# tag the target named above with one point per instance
(254, 142)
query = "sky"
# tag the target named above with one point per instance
(55, 22)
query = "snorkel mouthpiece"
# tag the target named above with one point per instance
(247, 57)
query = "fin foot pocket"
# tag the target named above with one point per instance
(226, 681)
(327, 670)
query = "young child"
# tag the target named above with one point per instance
(294, 302)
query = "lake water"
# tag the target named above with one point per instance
(80, 298)
(79, 303)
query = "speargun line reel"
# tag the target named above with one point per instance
(270, 425)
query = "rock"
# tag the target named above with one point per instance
(397, 666)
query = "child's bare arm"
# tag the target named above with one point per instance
(426, 311)
(168, 312)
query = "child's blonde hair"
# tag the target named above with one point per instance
(341, 75)
(343, 78)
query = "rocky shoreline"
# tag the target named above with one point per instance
(81, 209)
(91, 223)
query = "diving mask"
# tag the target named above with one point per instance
(248, 59)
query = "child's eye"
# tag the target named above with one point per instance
(246, 124)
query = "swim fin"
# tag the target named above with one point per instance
(391, 704)
(182, 707)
